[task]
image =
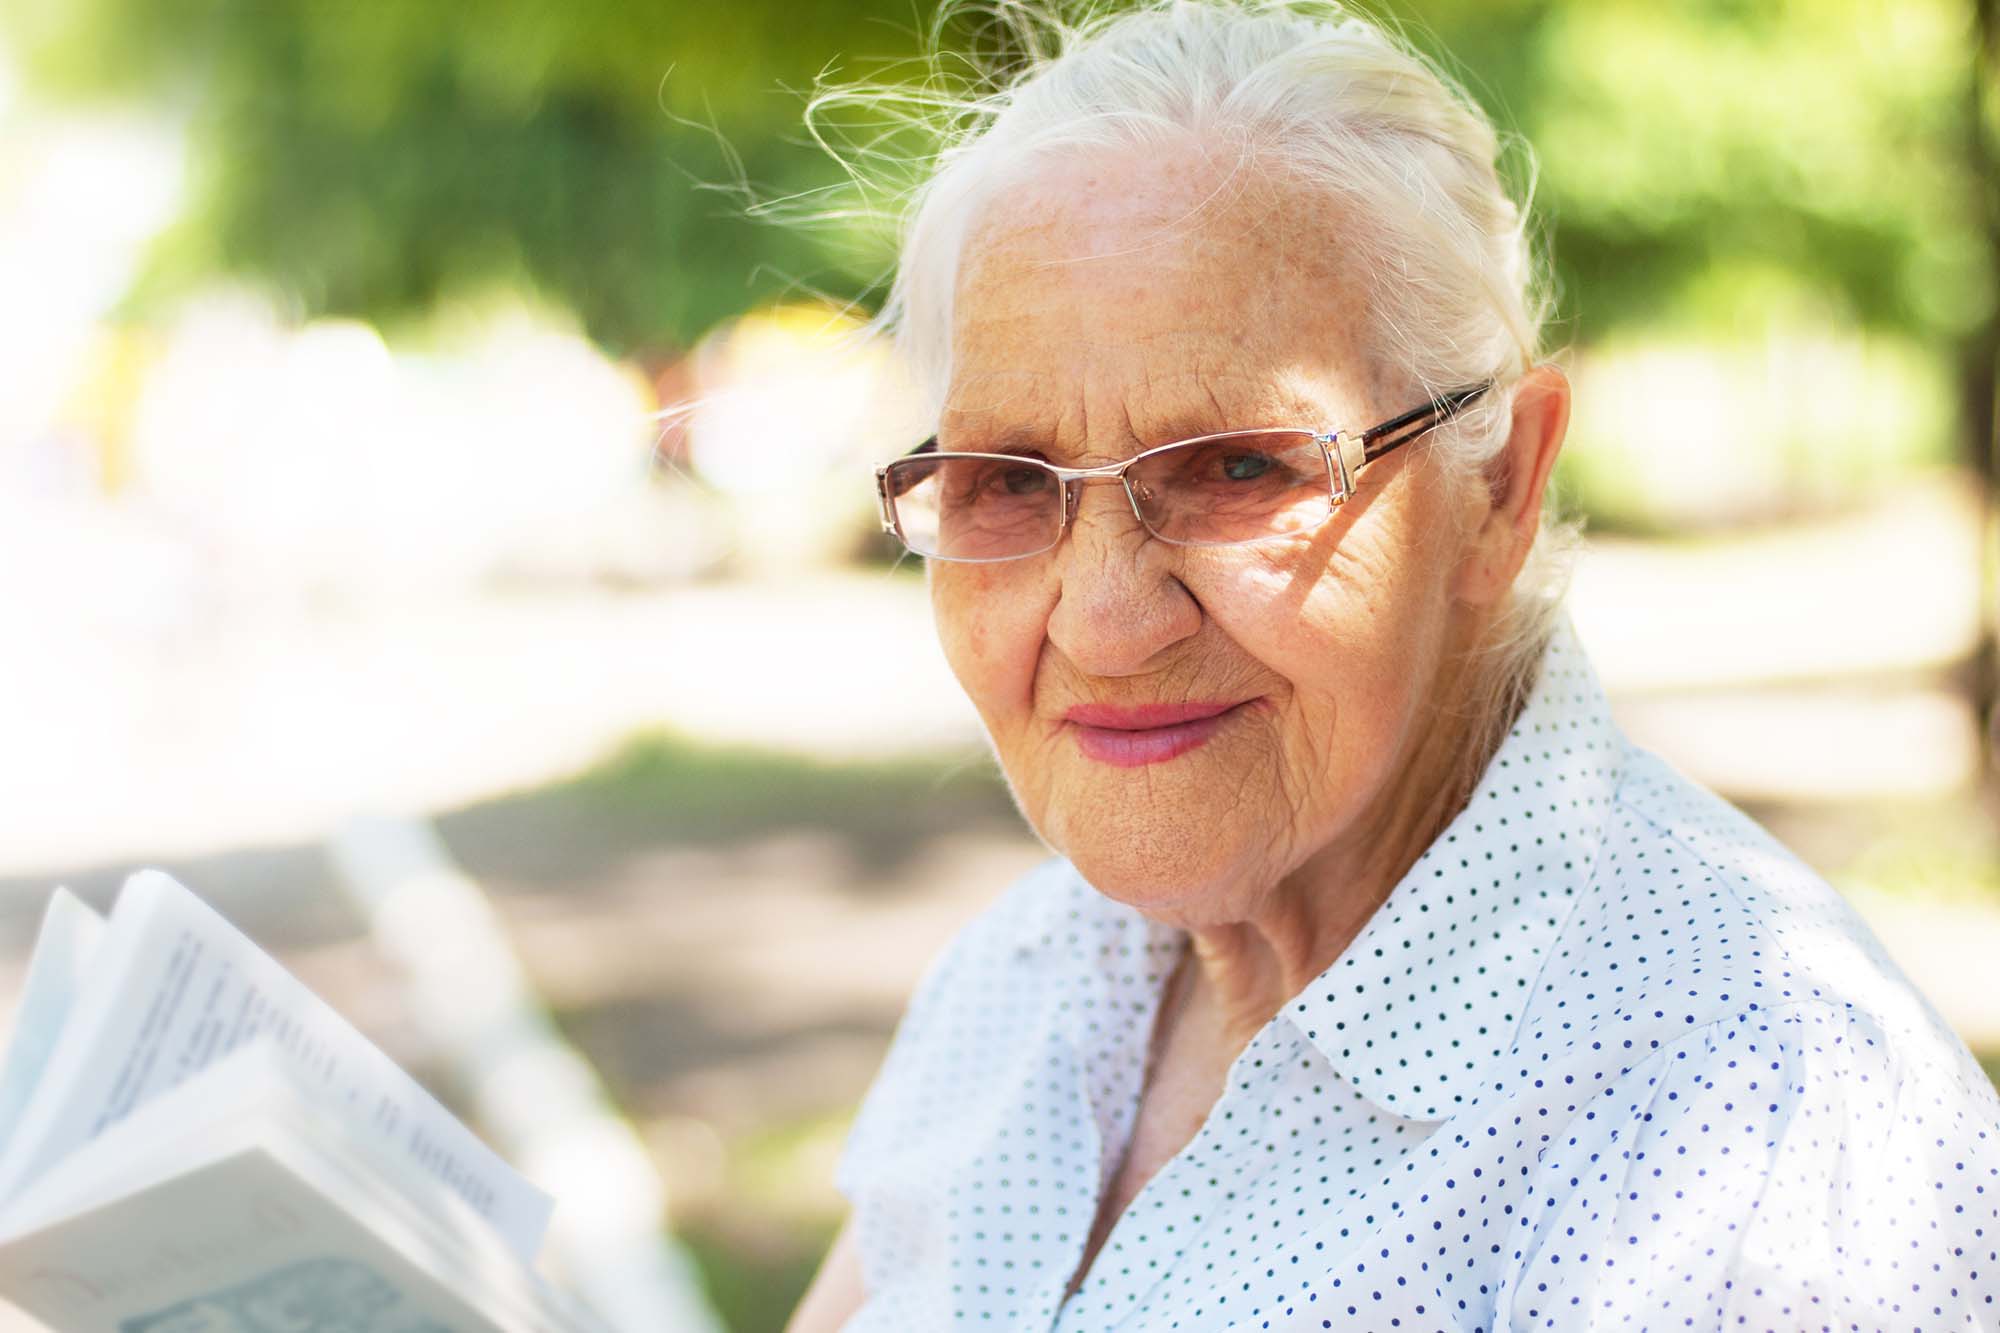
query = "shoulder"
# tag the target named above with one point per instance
(1785, 1160)
(1733, 1101)
(1023, 931)
(1695, 916)
(1048, 932)
(1000, 991)
(991, 965)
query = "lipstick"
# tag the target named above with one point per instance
(1131, 735)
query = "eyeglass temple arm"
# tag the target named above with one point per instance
(885, 498)
(1398, 431)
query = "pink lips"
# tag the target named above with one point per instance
(1146, 734)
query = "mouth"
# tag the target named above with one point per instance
(1147, 734)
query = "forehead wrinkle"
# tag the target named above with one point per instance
(980, 395)
(1197, 402)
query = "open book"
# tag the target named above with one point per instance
(192, 1142)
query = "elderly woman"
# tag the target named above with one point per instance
(1381, 982)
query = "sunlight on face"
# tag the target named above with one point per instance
(1190, 726)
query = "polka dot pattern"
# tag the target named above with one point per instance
(1607, 1057)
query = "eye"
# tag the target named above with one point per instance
(1022, 480)
(1245, 467)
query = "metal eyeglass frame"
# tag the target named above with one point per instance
(1346, 452)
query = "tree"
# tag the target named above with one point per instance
(367, 159)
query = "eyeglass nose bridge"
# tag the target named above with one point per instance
(1073, 478)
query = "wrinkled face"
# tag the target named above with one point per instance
(1193, 727)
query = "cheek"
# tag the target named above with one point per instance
(1353, 626)
(991, 623)
(1318, 617)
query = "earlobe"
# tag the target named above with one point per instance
(1519, 480)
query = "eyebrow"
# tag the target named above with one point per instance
(1014, 447)
(1274, 410)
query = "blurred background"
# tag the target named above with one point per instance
(334, 343)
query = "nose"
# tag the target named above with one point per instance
(1120, 603)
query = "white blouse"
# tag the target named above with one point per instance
(1607, 1057)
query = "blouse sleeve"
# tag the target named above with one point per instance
(1781, 1170)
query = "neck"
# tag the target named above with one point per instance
(1244, 972)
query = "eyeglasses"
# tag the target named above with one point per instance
(1214, 490)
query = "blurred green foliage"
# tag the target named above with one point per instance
(1941, 852)
(1703, 164)
(372, 159)
(754, 1286)
(758, 1244)
(661, 788)
(690, 791)
(1705, 160)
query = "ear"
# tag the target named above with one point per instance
(1509, 510)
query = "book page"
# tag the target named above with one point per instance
(174, 988)
(273, 1233)
(64, 946)
(193, 1138)
(252, 1086)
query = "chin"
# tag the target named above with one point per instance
(1184, 887)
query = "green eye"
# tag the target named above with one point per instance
(1245, 467)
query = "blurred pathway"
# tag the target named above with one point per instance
(275, 729)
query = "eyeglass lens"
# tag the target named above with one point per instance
(1238, 488)
(970, 508)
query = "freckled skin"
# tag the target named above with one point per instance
(1114, 304)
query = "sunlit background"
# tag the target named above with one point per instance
(409, 414)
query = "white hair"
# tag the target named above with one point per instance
(1454, 294)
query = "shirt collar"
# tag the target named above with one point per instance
(1432, 989)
